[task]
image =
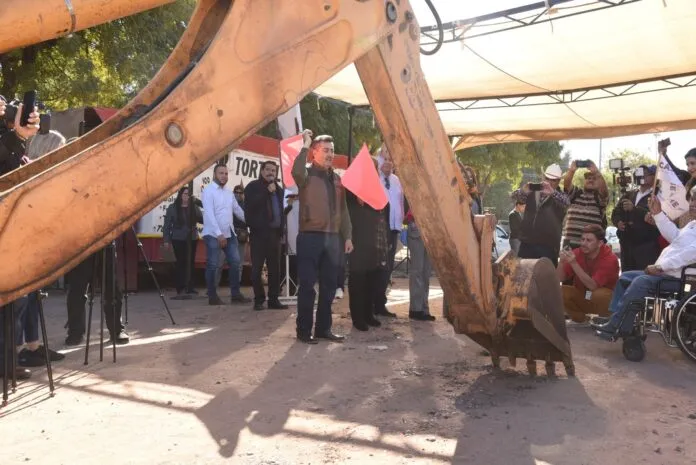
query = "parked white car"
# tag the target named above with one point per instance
(501, 243)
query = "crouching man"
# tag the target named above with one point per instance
(594, 269)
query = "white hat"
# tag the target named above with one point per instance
(553, 172)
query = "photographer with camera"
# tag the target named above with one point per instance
(14, 135)
(587, 204)
(545, 208)
(638, 235)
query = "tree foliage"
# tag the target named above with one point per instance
(502, 167)
(102, 66)
(108, 64)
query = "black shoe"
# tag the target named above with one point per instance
(373, 322)
(420, 316)
(52, 354)
(277, 305)
(329, 336)
(30, 358)
(259, 306)
(606, 328)
(240, 299)
(215, 301)
(121, 338)
(21, 374)
(599, 320)
(386, 312)
(360, 326)
(73, 340)
(307, 339)
(192, 291)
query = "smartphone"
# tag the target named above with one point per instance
(582, 163)
(29, 102)
(534, 186)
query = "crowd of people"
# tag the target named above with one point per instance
(327, 230)
(567, 224)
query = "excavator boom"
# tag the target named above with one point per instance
(224, 81)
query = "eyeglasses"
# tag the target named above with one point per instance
(239, 192)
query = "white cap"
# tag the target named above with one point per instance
(553, 172)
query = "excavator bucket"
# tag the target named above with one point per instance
(238, 66)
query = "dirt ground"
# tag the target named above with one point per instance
(230, 385)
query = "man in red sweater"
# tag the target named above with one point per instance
(594, 269)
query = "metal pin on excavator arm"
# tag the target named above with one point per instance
(91, 190)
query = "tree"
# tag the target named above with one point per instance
(631, 158)
(505, 162)
(102, 66)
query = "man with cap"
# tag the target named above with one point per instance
(545, 208)
(637, 232)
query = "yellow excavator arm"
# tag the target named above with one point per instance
(238, 66)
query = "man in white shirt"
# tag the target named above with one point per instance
(395, 194)
(219, 208)
(635, 285)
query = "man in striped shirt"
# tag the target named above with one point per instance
(587, 204)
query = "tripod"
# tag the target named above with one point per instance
(111, 292)
(406, 260)
(9, 322)
(287, 279)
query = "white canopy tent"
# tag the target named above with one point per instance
(556, 69)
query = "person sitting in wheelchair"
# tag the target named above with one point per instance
(634, 286)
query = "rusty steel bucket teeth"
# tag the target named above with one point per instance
(530, 317)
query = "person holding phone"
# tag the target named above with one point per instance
(593, 269)
(587, 203)
(14, 137)
(637, 232)
(545, 208)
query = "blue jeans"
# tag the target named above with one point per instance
(212, 248)
(318, 256)
(635, 286)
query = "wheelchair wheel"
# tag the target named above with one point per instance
(633, 348)
(686, 326)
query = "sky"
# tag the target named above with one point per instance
(682, 141)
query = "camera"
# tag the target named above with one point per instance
(583, 163)
(535, 186)
(621, 176)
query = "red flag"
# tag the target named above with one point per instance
(362, 179)
(289, 149)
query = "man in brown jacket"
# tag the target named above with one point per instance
(324, 220)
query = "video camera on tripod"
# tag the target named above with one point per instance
(620, 174)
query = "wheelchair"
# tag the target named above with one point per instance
(672, 315)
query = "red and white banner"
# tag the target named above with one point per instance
(672, 193)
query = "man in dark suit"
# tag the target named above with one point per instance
(263, 211)
(637, 232)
